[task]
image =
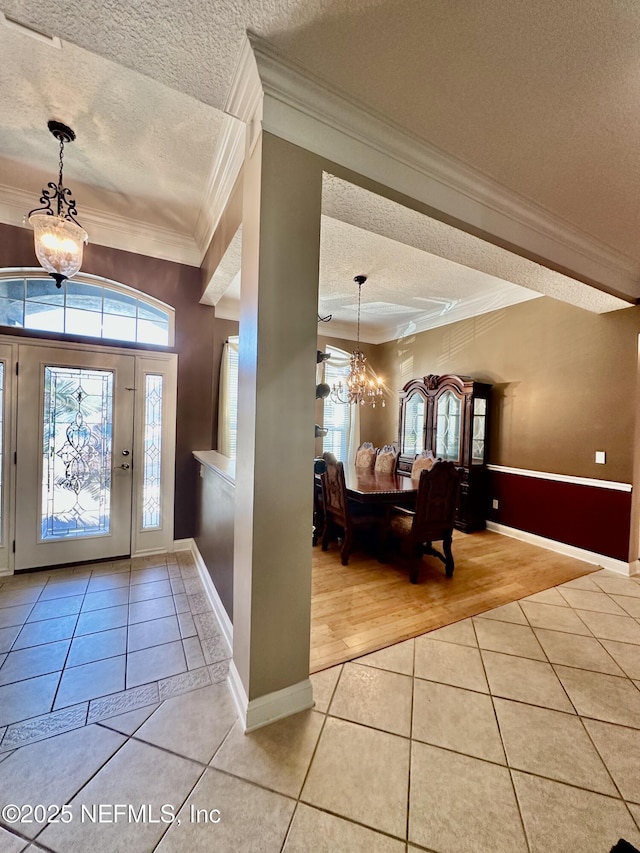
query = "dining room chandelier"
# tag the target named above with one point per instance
(361, 386)
(59, 238)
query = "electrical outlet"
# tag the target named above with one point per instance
(601, 457)
(495, 503)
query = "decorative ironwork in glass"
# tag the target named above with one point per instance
(448, 427)
(414, 413)
(81, 308)
(479, 431)
(76, 452)
(2, 372)
(151, 504)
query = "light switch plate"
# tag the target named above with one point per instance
(495, 503)
(601, 457)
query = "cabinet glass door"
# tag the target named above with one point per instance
(413, 427)
(479, 432)
(448, 426)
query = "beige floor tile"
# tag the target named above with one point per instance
(45, 726)
(277, 756)
(448, 663)
(628, 604)
(193, 724)
(37, 660)
(575, 650)
(603, 697)
(635, 811)
(626, 655)
(130, 721)
(554, 618)
(559, 818)
(460, 804)
(374, 697)
(361, 774)
(396, 658)
(624, 629)
(506, 613)
(585, 582)
(24, 699)
(51, 771)
(553, 744)
(617, 585)
(139, 775)
(323, 684)
(314, 830)
(600, 602)
(547, 596)
(462, 633)
(456, 719)
(251, 819)
(525, 680)
(620, 751)
(10, 843)
(508, 638)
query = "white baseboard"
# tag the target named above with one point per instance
(182, 544)
(274, 706)
(619, 566)
(212, 593)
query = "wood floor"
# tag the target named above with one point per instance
(366, 606)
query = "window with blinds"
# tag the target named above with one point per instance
(229, 407)
(336, 415)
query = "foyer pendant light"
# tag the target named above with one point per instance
(361, 387)
(59, 238)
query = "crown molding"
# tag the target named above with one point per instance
(106, 229)
(307, 111)
(245, 98)
(228, 160)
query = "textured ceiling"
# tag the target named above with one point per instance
(543, 98)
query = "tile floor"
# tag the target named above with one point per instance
(517, 730)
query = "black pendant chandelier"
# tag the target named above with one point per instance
(59, 237)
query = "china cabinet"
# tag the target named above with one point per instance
(448, 415)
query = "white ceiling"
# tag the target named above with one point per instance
(543, 98)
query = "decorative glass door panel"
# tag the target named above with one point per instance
(448, 426)
(413, 427)
(74, 455)
(77, 452)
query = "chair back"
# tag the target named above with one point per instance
(436, 502)
(334, 490)
(387, 460)
(366, 456)
(423, 461)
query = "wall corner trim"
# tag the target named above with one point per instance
(274, 706)
(622, 568)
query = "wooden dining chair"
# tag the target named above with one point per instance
(366, 456)
(387, 460)
(339, 513)
(423, 462)
(431, 521)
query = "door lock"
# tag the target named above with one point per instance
(125, 452)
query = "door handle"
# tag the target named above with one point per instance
(125, 465)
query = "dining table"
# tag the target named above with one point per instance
(369, 487)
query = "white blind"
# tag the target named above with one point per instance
(336, 415)
(228, 399)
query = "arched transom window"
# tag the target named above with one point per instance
(85, 306)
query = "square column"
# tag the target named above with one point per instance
(275, 439)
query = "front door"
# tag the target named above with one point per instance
(74, 456)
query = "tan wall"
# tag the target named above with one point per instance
(564, 383)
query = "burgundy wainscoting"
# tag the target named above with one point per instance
(589, 517)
